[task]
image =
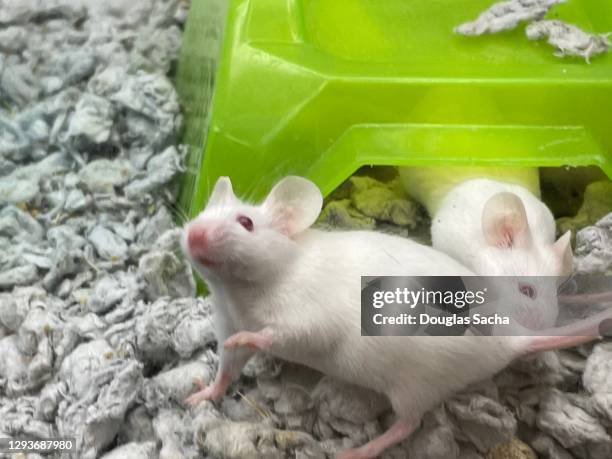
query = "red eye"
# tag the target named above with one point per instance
(528, 290)
(246, 222)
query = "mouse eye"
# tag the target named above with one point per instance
(246, 222)
(528, 290)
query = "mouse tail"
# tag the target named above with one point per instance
(581, 332)
(551, 343)
(586, 299)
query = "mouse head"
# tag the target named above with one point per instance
(232, 239)
(512, 250)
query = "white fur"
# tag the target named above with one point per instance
(306, 289)
(315, 307)
(303, 289)
(457, 229)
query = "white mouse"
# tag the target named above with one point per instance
(497, 226)
(502, 229)
(294, 292)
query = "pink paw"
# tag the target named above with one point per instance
(205, 393)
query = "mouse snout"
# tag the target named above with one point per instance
(196, 239)
(200, 240)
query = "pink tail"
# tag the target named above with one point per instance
(571, 335)
(586, 299)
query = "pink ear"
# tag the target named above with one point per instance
(284, 220)
(293, 205)
(562, 249)
(504, 222)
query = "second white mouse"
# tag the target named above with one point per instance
(502, 229)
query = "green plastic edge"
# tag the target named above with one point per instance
(195, 81)
(198, 70)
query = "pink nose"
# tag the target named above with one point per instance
(196, 239)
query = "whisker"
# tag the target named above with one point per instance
(177, 212)
(392, 257)
(263, 412)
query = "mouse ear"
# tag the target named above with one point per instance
(294, 204)
(222, 193)
(562, 249)
(504, 222)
